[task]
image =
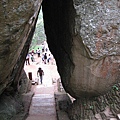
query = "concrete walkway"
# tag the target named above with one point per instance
(43, 102)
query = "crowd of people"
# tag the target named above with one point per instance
(40, 56)
(44, 55)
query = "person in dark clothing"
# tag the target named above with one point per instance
(40, 73)
(45, 58)
(32, 58)
(49, 57)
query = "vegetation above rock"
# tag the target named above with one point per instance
(39, 34)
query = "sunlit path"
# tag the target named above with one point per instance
(43, 102)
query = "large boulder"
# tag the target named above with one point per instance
(16, 19)
(84, 37)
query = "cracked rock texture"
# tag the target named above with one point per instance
(84, 37)
(15, 26)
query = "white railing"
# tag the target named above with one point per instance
(59, 85)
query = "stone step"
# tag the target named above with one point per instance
(43, 104)
(42, 117)
(40, 89)
(44, 95)
(42, 110)
(43, 100)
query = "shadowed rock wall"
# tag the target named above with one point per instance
(17, 24)
(84, 37)
(58, 18)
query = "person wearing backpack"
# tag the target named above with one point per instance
(40, 73)
(45, 58)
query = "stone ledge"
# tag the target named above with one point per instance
(62, 102)
(26, 99)
(62, 115)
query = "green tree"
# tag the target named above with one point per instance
(39, 34)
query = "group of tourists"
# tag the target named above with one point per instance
(43, 56)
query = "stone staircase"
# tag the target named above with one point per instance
(43, 104)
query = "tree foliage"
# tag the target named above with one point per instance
(39, 34)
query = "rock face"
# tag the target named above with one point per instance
(24, 83)
(12, 102)
(9, 106)
(84, 37)
(17, 23)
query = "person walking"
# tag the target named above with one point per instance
(49, 58)
(27, 59)
(40, 73)
(38, 52)
(32, 58)
(45, 58)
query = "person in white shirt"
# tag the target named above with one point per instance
(27, 59)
